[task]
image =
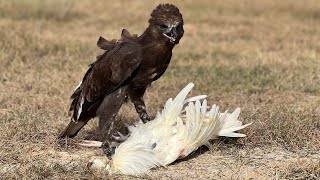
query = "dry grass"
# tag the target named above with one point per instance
(260, 55)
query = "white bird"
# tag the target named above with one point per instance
(176, 131)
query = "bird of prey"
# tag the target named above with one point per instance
(126, 68)
(179, 129)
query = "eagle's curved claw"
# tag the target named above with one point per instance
(121, 137)
(144, 117)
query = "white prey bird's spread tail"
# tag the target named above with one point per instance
(179, 129)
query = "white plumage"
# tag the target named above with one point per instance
(176, 131)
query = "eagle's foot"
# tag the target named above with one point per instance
(109, 148)
(144, 117)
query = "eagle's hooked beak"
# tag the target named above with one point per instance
(171, 33)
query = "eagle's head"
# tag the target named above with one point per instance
(167, 22)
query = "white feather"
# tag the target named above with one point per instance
(80, 109)
(78, 85)
(194, 98)
(173, 134)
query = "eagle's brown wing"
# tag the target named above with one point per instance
(106, 75)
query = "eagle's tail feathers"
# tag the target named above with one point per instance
(72, 129)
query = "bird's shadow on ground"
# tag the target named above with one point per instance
(220, 144)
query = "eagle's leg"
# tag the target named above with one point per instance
(136, 96)
(141, 110)
(107, 112)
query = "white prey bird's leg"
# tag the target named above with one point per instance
(88, 143)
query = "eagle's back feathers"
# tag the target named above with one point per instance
(106, 45)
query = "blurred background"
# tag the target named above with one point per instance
(262, 56)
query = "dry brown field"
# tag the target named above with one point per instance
(263, 56)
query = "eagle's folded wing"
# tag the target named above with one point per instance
(105, 75)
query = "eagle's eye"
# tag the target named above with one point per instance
(163, 26)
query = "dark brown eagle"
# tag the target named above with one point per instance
(126, 68)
